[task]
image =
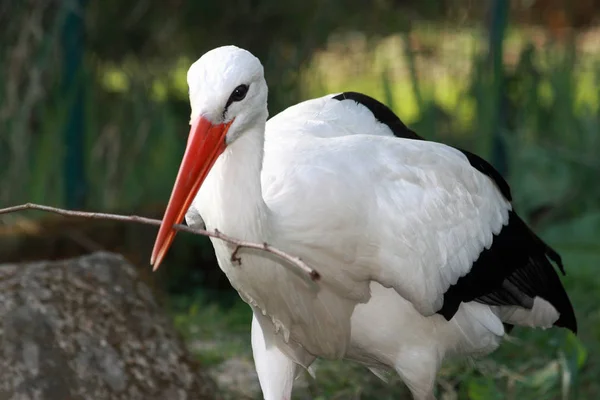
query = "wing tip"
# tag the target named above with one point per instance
(567, 318)
(569, 323)
(535, 276)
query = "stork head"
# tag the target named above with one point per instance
(227, 87)
(228, 95)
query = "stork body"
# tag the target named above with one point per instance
(420, 252)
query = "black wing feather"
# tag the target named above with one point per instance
(516, 268)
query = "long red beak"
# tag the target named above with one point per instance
(205, 143)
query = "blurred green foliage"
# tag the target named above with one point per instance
(428, 60)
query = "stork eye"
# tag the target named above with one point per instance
(238, 93)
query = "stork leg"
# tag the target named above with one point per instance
(418, 368)
(276, 371)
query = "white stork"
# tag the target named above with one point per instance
(420, 251)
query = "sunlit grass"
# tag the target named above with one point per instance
(115, 79)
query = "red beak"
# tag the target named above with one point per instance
(205, 143)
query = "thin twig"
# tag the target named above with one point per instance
(304, 269)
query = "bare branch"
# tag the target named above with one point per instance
(296, 262)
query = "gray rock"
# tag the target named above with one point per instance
(89, 328)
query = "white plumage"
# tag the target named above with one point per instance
(391, 224)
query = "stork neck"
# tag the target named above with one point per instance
(236, 190)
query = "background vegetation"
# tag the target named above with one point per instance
(94, 113)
